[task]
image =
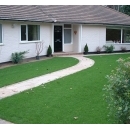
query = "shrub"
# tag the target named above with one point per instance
(117, 91)
(98, 49)
(109, 49)
(17, 57)
(123, 49)
(86, 49)
(49, 51)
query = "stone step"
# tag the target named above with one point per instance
(66, 53)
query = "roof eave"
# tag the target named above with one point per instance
(25, 20)
(85, 23)
(65, 22)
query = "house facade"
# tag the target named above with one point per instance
(65, 28)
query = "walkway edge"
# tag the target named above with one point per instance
(4, 122)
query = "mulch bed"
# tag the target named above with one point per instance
(8, 64)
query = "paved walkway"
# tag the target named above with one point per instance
(4, 122)
(34, 82)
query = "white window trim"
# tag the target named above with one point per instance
(121, 36)
(119, 28)
(22, 42)
(71, 35)
(26, 41)
(1, 44)
(116, 29)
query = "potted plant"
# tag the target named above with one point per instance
(98, 49)
(86, 49)
(49, 51)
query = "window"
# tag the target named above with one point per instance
(126, 36)
(113, 35)
(119, 35)
(30, 32)
(0, 33)
(67, 33)
(23, 32)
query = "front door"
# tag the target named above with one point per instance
(57, 38)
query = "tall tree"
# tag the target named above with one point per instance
(121, 8)
(126, 9)
(116, 7)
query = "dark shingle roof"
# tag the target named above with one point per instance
(87, 14)
(22, 12)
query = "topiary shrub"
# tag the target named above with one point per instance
(49, 51)
(17, 57)
(117, 91)
(109, 49)
(86, 49)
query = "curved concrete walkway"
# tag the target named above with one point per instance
(4, 122)
(34, 82)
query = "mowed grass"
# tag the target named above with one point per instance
(59, 102)
(26, 71)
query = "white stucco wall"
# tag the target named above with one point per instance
(94, 36)
(11, 40)
(118, 46)
(76, 38)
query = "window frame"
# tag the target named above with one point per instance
(71, 28)
(1, 43)
(121, 39)
(122, 36)
(26, 41)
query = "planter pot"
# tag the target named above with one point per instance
(37, 57)
(50, 55)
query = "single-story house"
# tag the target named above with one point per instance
(66, 28)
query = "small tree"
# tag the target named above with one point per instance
(117, 91)
(49, 51)
(39, 49)
(86, 49)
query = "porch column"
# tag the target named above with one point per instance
(80, 38)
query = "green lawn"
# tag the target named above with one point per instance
(58, 102)
(25, 71)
